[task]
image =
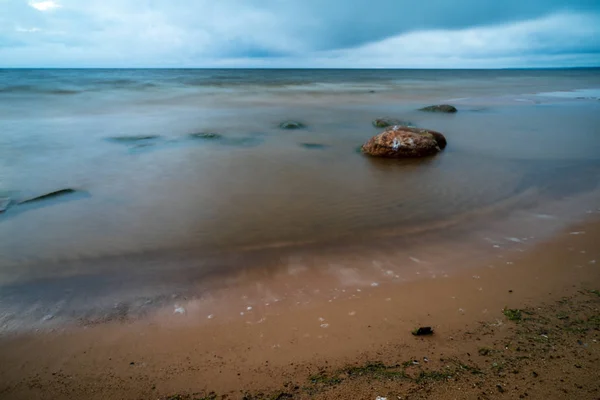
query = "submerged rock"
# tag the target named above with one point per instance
(443, 108)
(50, 195)
(135, 138)
(404, 142)
(4, 203)
(249, 141)
(313, 146)
(385, 122)
(206, 135)
(291, 125)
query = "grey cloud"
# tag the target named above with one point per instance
(226, 32)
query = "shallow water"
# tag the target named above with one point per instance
(520, 139)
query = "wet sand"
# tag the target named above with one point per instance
(275, 348)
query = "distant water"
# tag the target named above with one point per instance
(517, 131)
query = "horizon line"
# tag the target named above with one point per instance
(312, 68)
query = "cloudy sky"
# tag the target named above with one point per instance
(300, 33)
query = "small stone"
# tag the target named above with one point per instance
(422, 331)
(500, 388)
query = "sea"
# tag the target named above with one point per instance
(160, 210)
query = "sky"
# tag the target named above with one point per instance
(300, 33)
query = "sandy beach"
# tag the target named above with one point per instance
(523, 327)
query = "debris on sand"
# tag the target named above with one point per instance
(423, 331)
(179, 310)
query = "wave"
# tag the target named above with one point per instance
(38, 90)
(97, 87)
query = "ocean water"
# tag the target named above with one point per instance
(521, 139)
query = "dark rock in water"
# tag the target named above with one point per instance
(142, 145)
(4, 203)
(422, 331)
(404, 142)
(313, 145)
(128, 139)
(371, 91)
(241, 141)
(385, 122)
(206, 135)
(291, 125)
(443, 108)
(50, 195)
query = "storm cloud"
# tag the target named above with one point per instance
(308, 33)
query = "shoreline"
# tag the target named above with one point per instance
(275, 344)
(65, 294)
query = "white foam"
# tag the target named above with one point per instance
(574, 94)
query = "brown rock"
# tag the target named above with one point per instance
(443, 108)
(385, 122)
(403, 142)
